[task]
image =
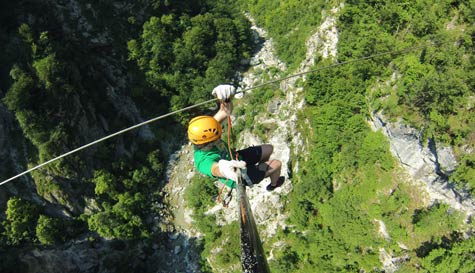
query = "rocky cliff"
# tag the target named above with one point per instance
(427, 163)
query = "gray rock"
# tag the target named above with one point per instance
(273, 106)
(428, 162)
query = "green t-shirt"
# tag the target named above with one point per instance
(204, 160)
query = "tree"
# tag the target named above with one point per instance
(123, 220)
(20, 221)
(464, 175)
(458, 258)
(49, 230)
(105, 183)
(184, 55)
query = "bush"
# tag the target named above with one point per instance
(49, 230)
(20, 222)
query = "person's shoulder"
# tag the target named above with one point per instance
(203, 152)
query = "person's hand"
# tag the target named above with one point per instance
(228, 168)
(224, 92)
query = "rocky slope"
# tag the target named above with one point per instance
(427, 166)
(281, 116)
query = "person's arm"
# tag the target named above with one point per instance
(224, 109)
(224, 93)
(215, 170)
(227, 168)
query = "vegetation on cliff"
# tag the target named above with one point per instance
(73, 72)
(349, 182)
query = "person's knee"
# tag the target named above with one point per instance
(275, 164)
(278, 164)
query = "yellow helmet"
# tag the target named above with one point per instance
(204, 129)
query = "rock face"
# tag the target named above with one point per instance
(9, 154)
(75, 259)
(428, 164)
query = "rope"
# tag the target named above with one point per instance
(227, 198)
(203, 103)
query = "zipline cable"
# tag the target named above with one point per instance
(206, 102)
(107, 137)
(396, 52)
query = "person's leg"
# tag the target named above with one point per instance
(271, 169)
(252, 155)
(267, 150)
(265, 167)
(256, 154)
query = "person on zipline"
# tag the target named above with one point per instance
(211, 155)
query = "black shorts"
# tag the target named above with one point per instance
(252, 156)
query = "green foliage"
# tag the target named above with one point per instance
(290, 23)
(229, 242)
(434, 85)
(435, 221)
(49, 230)
(58, 82)
(335, 190)
(44, 99)
(185, 55)
(200, 193)
(434, 82)
(374, 151)
(199, 196)
(458, 258)
(45, 69)
(20, 222)
(122, 220)
(464, 176)
(105, 183)
(347, 181)
(286, 260)
(156, 161)
(124, 195)
(19, 96)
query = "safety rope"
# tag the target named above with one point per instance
(206, 102)
(228, 197)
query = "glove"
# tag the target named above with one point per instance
(224, 92)
(228, 168)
